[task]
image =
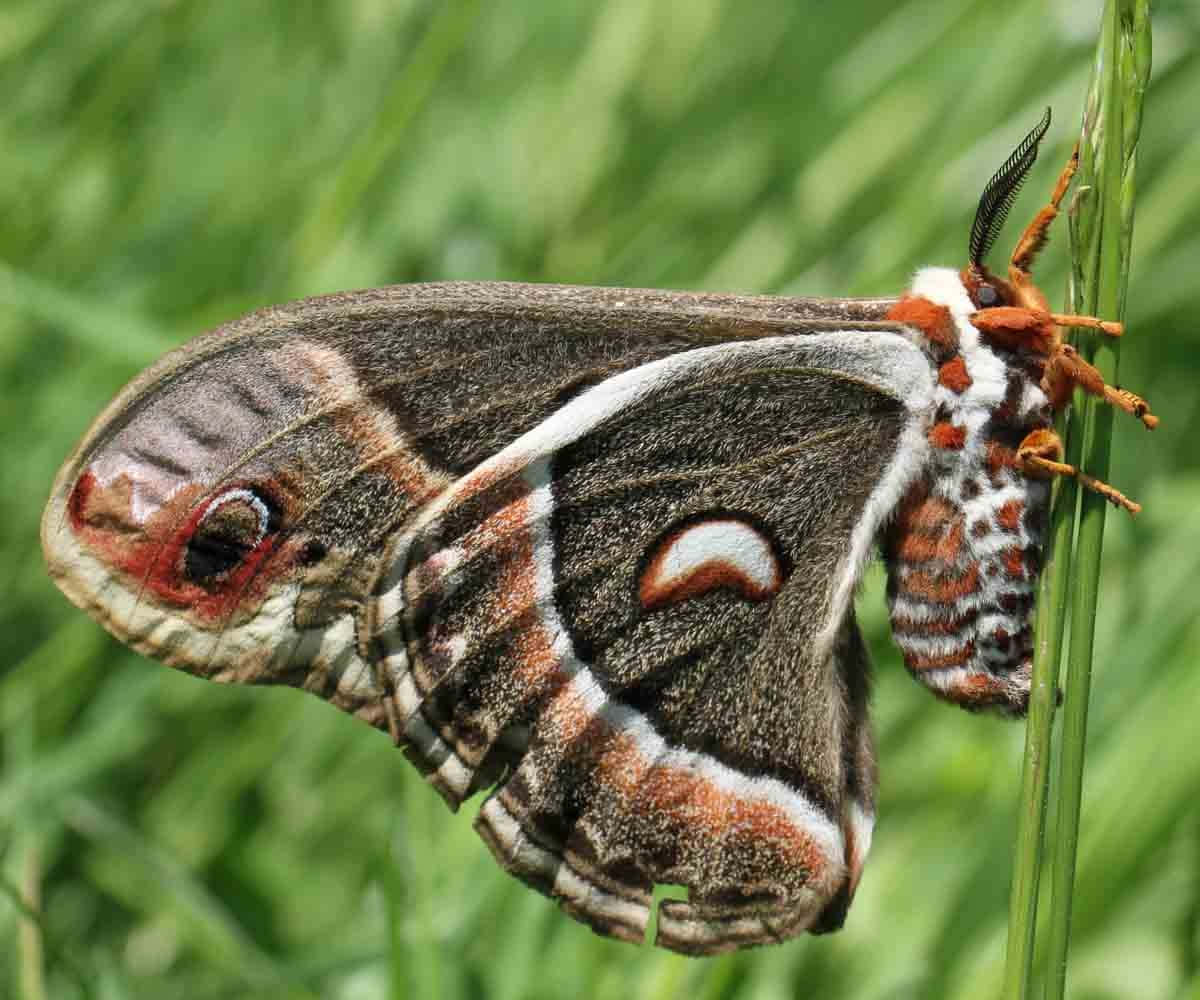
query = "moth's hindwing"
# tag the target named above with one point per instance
(636, 618)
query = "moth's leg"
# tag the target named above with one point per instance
(1040, 455)
(1015, 327)
(1065, 369)
(1034, 329)
(1108, 326)
(1036, 233)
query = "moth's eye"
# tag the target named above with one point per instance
(236, 523)
(987, 295)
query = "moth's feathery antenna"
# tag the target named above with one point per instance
(1001, 191)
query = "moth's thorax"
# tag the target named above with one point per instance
(964, 548)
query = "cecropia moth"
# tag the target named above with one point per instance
(595, 550)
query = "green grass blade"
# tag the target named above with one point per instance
(1106, 165)
(1035, 771)
(1101, 213)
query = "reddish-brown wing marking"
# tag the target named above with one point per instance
(713, 551)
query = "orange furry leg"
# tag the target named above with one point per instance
(1040, 455)
(1067, 369)
(1108, 326)
(1035, 235)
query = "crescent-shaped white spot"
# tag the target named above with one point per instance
(722, 552)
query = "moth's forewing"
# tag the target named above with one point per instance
(472, 508)
(348, 411)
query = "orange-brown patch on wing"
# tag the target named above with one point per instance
(504, 538)
(696, 805)
(933, 320)
(706, 568)
(536, 662)
(954, 376)
(507, 526)
(690, 801)
(710, 576)
(511, 528)
(361, 421)
(488, 475)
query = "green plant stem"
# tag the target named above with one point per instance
(1031, 822)
(1102, 216)
(1106, 166)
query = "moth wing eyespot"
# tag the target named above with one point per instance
(233, 525)
(1001, 192)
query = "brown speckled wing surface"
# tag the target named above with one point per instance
(595, 546)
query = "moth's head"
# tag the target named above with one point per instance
(985, 288)
(224, 512)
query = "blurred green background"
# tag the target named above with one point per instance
(165, 166)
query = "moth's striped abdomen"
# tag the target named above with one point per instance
(964, 548)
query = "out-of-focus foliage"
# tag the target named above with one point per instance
(168, 165)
